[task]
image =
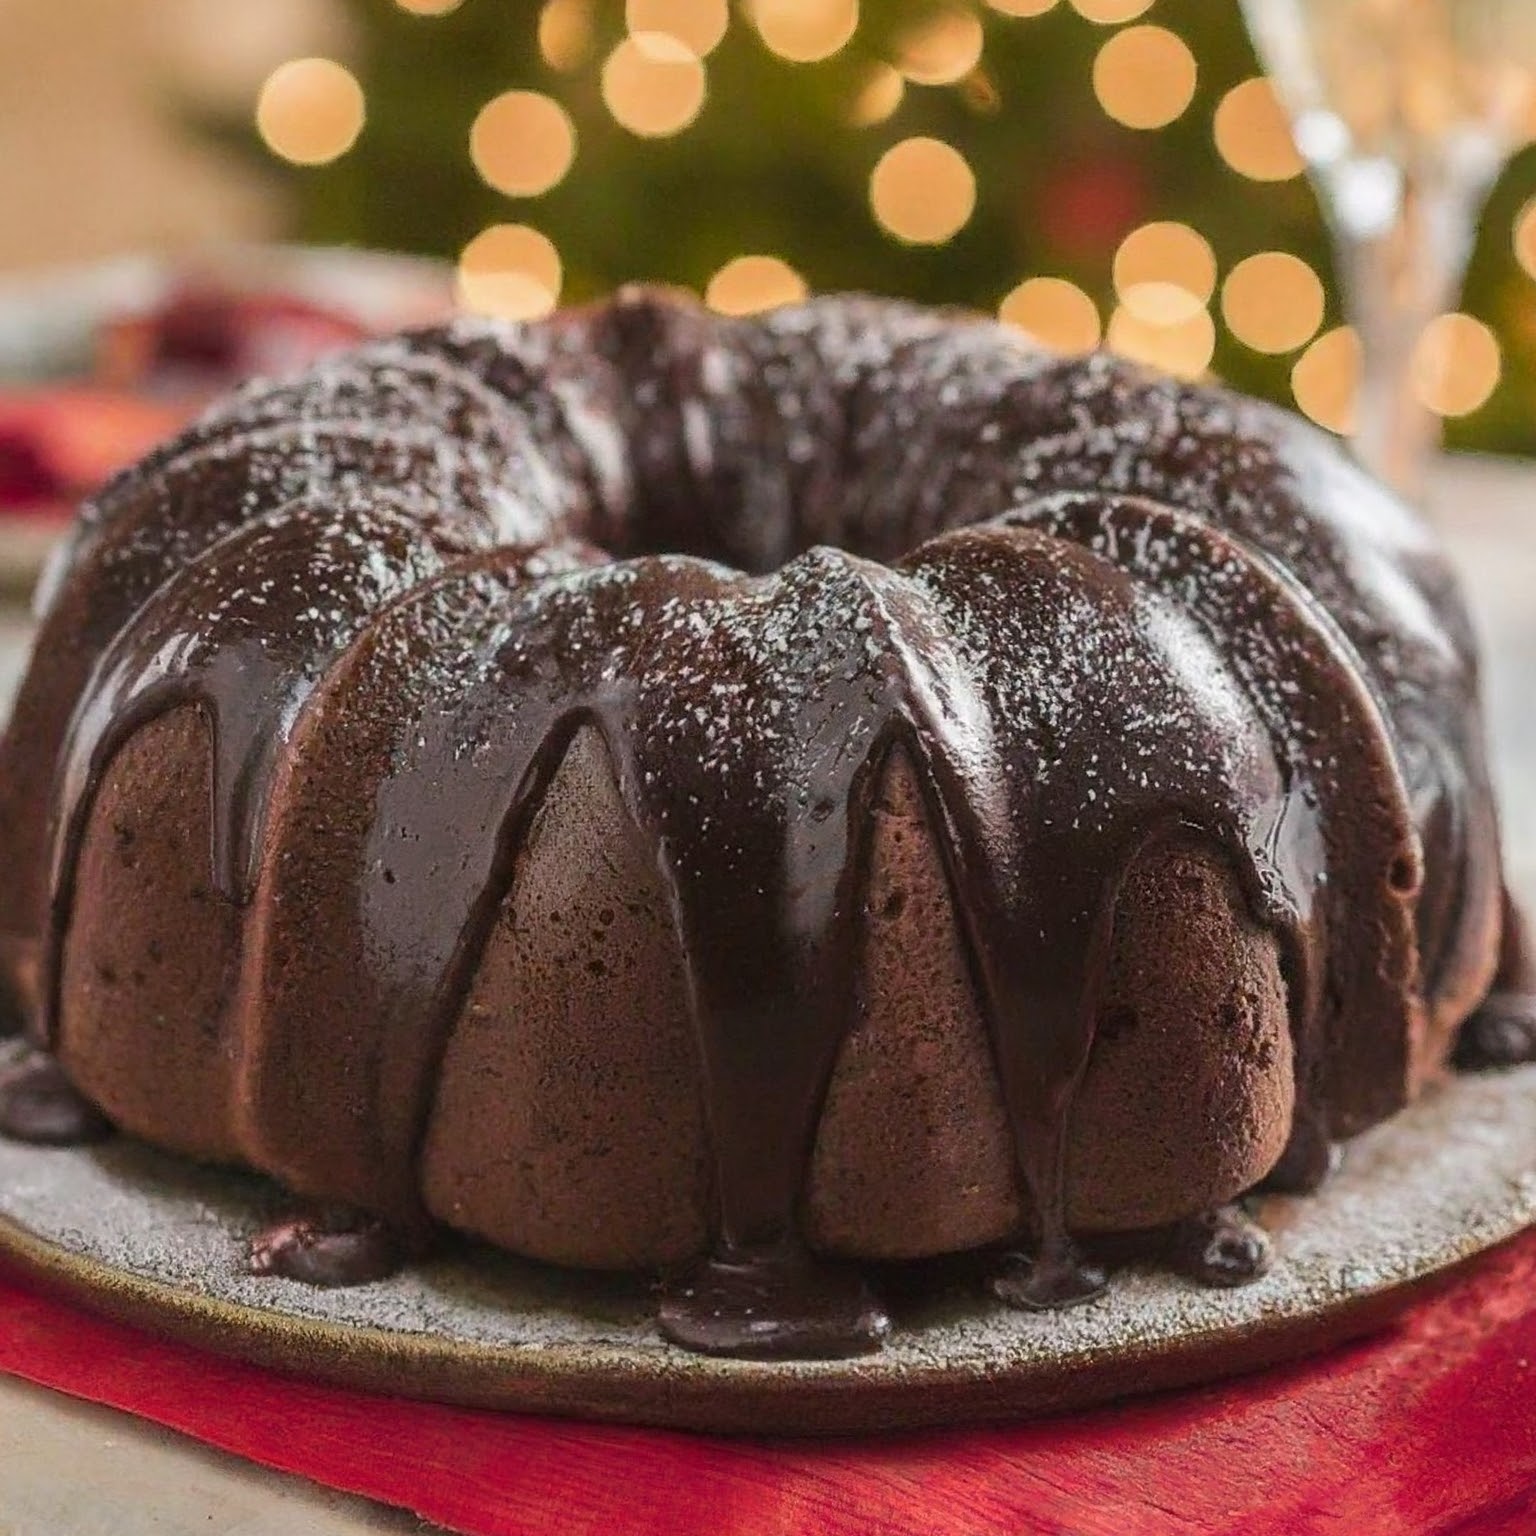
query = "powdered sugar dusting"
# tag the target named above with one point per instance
(1449, 1178)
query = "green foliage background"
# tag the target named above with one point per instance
(772, 164)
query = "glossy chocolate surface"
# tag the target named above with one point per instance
(39, 1106)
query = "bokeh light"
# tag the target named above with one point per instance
(1326, 378)
(941, 49)
(878, 97)
(522, 143)
(1525, 237)
(1184, 348)
(429, 7)
(1456, 365)
(1160, 303)
(1164, 272)
(1144, 77)
(510, 270)
(922, 191)
(1056, 313)
(1253, 133)
(565, 34)
(1022, 7)
(698, 24)
(1111, 13)
(749, 284)
(310, 111)
(653, 84)
(804, 31)
(1273, 302)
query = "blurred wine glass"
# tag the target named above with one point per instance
(1405, 111)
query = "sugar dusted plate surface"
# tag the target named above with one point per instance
(155, 1241)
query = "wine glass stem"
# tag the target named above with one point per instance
(1398, 273)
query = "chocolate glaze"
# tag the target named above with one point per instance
(1308, 1159)
(766, 1305)
(1224, 1247)
(13, 1017)
(328, 1249)
(1097, 610)
(1502, 1033)
(39, 1105)
(1056, 1277)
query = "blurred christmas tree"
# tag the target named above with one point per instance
(1103, 166)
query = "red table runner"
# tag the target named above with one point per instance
(1428, 1427)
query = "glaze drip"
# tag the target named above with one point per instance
(771, 1304)
(39, 1105)
(1224, 1247)
(249, 656)
(331, 1249)
(1502, 1033)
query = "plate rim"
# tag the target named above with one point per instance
(606, 1380)
(692, 1393)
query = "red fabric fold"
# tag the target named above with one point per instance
(1428, 1427)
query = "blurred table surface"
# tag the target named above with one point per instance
(68, 1467)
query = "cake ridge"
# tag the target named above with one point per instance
(109, 569)
(1313, 686)
(1043, 942)
(372, 385)
(227, 668)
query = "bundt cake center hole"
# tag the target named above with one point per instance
(712, 527)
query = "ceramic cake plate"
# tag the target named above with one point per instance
(154, 1241)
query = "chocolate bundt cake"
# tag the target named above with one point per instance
(749, 799)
